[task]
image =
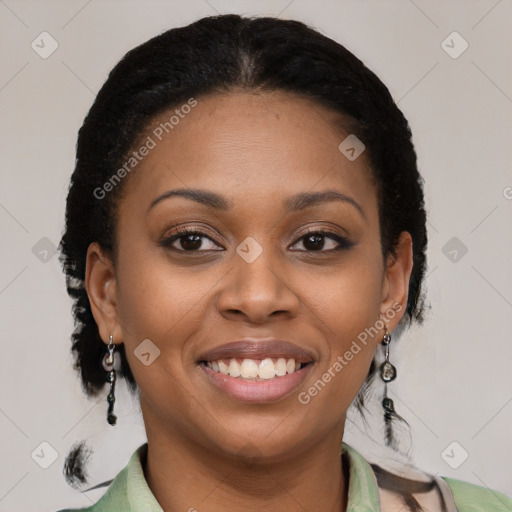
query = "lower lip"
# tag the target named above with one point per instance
(259, 392)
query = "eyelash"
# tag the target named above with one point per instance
(344, 243)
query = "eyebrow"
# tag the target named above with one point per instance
(292, 204)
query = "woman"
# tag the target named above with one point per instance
(245, 232)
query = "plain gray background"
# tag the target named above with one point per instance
(454, 378)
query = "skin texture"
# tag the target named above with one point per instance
(206, 450)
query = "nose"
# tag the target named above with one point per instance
(258, 292)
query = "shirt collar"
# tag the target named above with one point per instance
(363, 490)
(130, 492)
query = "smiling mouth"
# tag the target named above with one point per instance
(255, 369)
(258, 371)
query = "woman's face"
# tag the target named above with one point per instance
(252, 273)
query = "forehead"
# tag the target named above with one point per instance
(248, 145)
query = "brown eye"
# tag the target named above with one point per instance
(324, 241)
(190, 240)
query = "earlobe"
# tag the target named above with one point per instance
(395, 289)
(100, 284)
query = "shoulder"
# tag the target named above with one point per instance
(128, 491)
(115, 497)
(475, 498)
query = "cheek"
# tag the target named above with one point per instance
(350, 297)
(162, 303)
(347, 306)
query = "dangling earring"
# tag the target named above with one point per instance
(387, 373)
(108, 365)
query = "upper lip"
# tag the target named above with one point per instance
(258, 349)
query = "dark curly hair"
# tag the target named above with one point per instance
(221, 54)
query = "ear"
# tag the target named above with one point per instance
(100, 283)
(395, 286)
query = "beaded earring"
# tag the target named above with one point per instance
(387, 374)
(108, 366)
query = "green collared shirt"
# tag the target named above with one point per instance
(129, 491)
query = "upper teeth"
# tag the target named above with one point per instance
(253, 368)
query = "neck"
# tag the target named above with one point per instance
(183, 475)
